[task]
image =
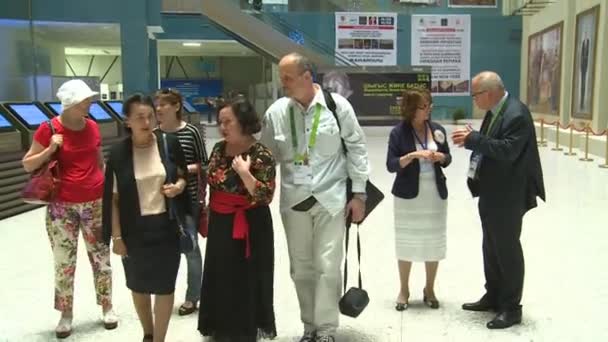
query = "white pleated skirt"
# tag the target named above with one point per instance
(420, 223)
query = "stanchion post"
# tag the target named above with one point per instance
(586, 158)
(557, 148)
(542, 141)
(605, 165)
(571, 142)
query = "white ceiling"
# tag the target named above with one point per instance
(207, 48)
(104, 39)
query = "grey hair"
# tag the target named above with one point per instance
(489, 80)
(302, 62)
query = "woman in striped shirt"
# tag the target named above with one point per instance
(169, 111)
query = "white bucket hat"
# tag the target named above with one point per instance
(73, 92)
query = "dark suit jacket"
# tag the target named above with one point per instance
(120, 162)
(401, 142)
(510, 174)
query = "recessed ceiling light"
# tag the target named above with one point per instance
(191, 44)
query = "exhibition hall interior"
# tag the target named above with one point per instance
(515, 108)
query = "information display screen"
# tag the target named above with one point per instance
(4, 123)
(55, 106)
(98, 113)
(29, 112)
(116, 107)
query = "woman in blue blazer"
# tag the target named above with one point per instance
(417, 152)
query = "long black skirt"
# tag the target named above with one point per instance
(152, 255)
(237, 292)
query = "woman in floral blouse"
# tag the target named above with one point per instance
(237, 290)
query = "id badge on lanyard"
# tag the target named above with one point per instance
(474, 165)
(301, 162)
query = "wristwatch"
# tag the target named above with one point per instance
(361, 195)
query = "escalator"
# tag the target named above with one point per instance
(266, 34)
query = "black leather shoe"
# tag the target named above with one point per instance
(505, 319)
(480, 305)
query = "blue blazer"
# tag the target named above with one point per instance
(401, 142)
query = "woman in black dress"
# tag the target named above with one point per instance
(237, 291)
(135, 214)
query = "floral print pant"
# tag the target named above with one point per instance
(64, 221)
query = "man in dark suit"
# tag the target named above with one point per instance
(505, 173)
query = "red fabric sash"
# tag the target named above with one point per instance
(229, 203)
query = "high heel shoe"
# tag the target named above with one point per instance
(399, 306)
(431, 303)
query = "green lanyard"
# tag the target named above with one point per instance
(498, 113)
(313, 134)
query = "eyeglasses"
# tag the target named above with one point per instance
(426, 106)
(474, 95)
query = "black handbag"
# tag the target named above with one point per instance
(186, 227)
(374, 195)
(355, 300)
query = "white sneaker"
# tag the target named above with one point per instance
(110, 320)
(64, 327)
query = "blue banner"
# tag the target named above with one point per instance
(195, 91)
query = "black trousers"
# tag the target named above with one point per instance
(503, 257)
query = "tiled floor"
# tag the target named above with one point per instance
(565, 243)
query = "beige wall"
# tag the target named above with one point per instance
(566, 11)
(80, 64)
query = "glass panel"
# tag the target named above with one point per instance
(17, 61)
(87, 51)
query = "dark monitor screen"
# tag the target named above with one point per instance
(29, 112)
(98, 113)
(4, 123)
(189, 108)
(116, 107)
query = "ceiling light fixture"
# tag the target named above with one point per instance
(192, 44)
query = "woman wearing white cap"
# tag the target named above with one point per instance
(76, 144)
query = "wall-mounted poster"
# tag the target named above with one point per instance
(472, 3)
(544, 70)
(375, 93)
(444, 43)
(367, 38)
(584, 63)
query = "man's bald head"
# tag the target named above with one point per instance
(296, 73)
(489, 80)
(487, 89)
(302, 63)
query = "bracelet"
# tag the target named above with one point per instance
(114, 238)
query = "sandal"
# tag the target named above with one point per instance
(185, 310)
(432, 303)
(64, 328)
(402, 306)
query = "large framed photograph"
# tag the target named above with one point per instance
(584, 63)
(544, 70)
(472, 3)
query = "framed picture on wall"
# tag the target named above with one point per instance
(544, 70)
(472, 3)
(584, 63)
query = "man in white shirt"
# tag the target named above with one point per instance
(305, 139)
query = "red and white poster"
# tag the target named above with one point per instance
(444, 43)
(367, 38)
